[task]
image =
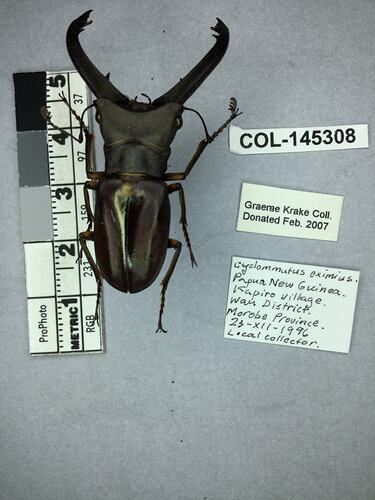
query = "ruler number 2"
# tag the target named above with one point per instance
(64, 249)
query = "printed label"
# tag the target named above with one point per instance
(296, 140)
(287, 212)
(291, 304)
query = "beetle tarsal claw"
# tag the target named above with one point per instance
(193, 261)
(98, 301)
(160, 329)
(62, 96)
(162, 302)
(45, 113)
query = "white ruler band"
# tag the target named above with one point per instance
(62, 292)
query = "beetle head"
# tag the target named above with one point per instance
(179, 93)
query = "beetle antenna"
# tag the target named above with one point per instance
(203, 122)
(82, 123)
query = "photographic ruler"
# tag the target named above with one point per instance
(61, 291)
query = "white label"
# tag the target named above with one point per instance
(40, 274)
(296, 140)
(286, 212)
(42, 325)
(291, 304)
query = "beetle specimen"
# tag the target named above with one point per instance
(130, 223)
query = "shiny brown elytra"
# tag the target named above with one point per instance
(130, 223)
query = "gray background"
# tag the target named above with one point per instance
(249, 421)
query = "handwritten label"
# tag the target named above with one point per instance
(296, 140)
(287, 212)
(291, 304)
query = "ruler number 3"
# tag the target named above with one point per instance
(67, 192)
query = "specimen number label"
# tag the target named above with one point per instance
(294, 140)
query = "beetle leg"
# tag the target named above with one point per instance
(93, 184)
(91, 173)
(89, 136)
(89, 236)
(177, 246)
(204, 143)
(177, 187)
(90, 216)
(174, 176)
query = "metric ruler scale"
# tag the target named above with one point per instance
(61, 291)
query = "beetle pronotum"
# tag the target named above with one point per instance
(130, 223)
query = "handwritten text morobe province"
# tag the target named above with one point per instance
(291, 304)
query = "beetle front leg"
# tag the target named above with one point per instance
(89, 236)
(177, 246)
(204, 143)
(180, 176)
(177, 187)
(91, 173)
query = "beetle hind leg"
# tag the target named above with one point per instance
(177, 187)
(176, 245)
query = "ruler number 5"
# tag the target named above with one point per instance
(56, 81)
